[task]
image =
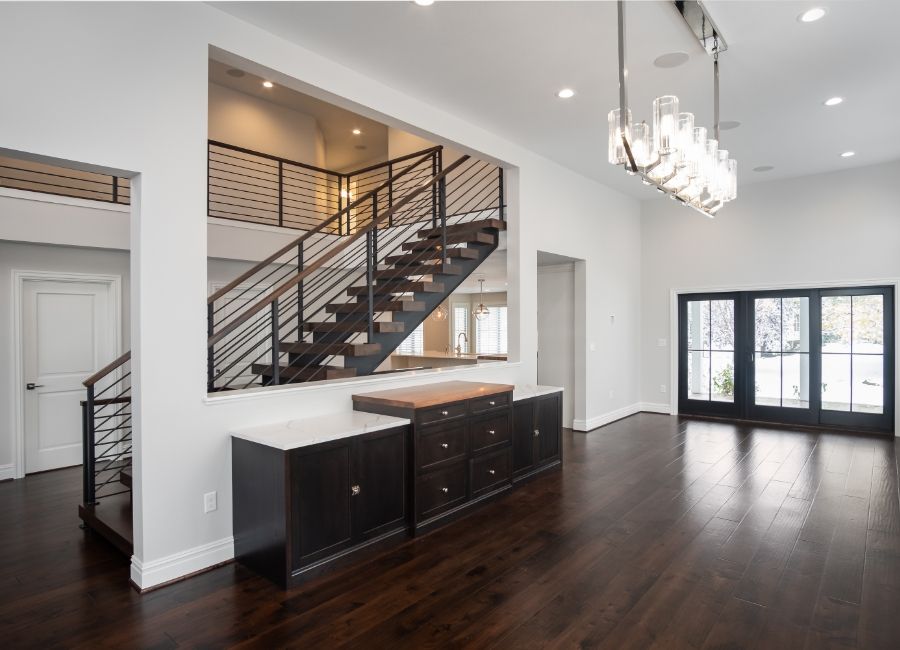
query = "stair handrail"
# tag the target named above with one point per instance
(345, 242)
(330, 221)
(105, 370)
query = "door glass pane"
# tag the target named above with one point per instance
(835, 323)
(698, 324)
(768, 379)
(795, 381)
(767, 313)
(836, 381)
(795, 324)
(722, 317)
(722, 376)
(868, 324)
(698, 375)
(868, 382)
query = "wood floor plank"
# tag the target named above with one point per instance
(659, 532)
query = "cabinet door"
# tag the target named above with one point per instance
(523, 435)
(379, 483)
(320, 502)
(549, 426)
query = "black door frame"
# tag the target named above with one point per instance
(744, 391)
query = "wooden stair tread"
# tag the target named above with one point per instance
(420, 257)
(382, 305)
(342, 349)
(484, 224)
(111, 519)
(475, 237)
(125, 477)
(417, 271)
(288, 374)
(398, 287)
(385, 327)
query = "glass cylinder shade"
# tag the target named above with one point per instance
(641, 146)
(616, 148)
(665, 124)
(694, 155)
(731, 195)
(721, 175)
(684, 137)
(708, 163)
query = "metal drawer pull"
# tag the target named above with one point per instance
(445, 490)
(492, 432)
(354, 490)
(492, 403)
(537, 432)
(445, 412)
(444, 445)
(492, 472)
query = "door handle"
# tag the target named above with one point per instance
(30, 386)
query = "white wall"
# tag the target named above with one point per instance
(839, 227)
(153, 122)
(556, 332)
(247, 121)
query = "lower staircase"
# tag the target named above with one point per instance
(332, 304)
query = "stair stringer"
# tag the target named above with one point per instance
(411, 320)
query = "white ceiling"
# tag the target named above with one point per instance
(342, 148)
(499, 65)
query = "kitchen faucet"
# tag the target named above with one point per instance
(459, 345)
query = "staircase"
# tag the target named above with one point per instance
(333, 303)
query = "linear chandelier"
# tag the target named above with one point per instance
(677, 157)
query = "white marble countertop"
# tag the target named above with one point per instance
(312, 431)
(527, 391)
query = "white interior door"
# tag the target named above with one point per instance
(68, 333)
(556, 333)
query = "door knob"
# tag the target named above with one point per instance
(354, 490)
(537, 432)
(445, 490)
(491, 472)
(30, 386)
(492, 432)
(444, 445)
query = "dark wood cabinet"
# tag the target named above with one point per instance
(301, 509)
(537, 434)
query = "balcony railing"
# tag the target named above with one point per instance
(20, 174)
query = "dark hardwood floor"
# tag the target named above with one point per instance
(658, 533)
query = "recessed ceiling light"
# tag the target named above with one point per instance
(234, 72)
(763, 168)
(357, 132)
(727, 125)
(833, 101)
(848, 154)
(811, 15)
(566, 93)
(268, 84)
(424, 3)
(671, 60)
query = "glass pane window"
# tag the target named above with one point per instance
(781, 351)
(460, 325)
(490, 332)
(853, 353)
(414, 343)
(710, 358)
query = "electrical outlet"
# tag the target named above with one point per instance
(209, 502)
(662, 388)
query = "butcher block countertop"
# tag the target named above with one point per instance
(444, 392)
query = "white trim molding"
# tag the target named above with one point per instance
(29, 195)
(146, 575)
(7, 472)
(606, 418)
(19, 278)
(651, 407)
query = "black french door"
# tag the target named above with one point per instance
(811, 356)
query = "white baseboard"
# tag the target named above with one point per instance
(653, 407)
(600, 420)
(7, 472)
(156, 572)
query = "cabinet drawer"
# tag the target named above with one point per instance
(440, 490)
(490, 471)
(444, 445)
(490, 431)
(442, 413)
(485, 404)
